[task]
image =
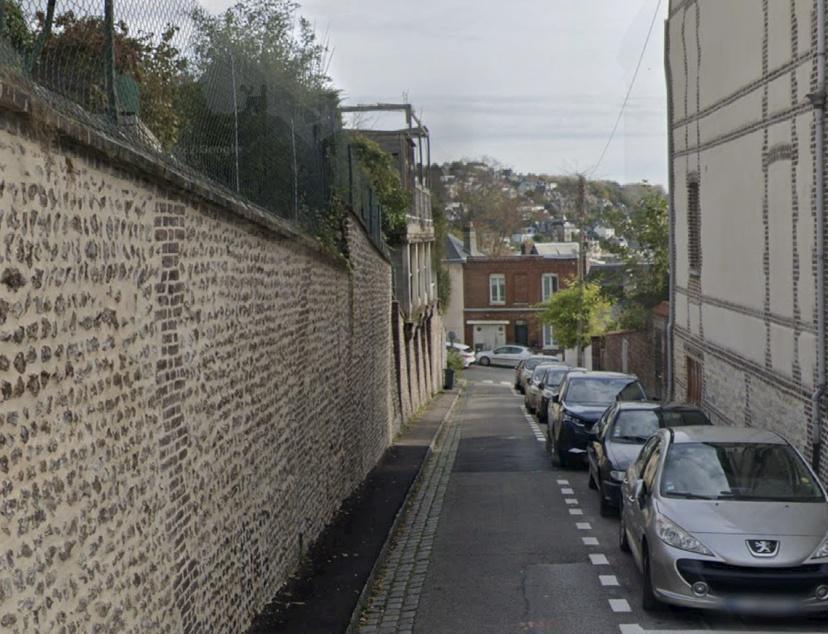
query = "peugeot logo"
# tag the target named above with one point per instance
(763, 547)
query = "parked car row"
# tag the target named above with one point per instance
(714, 517)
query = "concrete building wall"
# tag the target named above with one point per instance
(454, 312)
(742, 128)
(190, 388)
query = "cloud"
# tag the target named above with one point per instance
(534, 83)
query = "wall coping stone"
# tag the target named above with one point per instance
(20, 99)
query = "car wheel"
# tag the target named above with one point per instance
(649, 601)
(606, 509)
(623, 543)
(485, 361)
(591, 481)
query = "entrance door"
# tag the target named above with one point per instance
(488, 336)
(522, 334)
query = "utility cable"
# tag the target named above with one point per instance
(629, 91)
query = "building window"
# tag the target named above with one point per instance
(549, 285)
(548, 338)
(694, 380)
(693, 224)
(497, 289)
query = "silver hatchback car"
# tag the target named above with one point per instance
(726, 518)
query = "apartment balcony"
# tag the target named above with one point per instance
(420, 223)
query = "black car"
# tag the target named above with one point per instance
(549, 387)
(583, 398)
(618, 437)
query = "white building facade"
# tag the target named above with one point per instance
(742, 75)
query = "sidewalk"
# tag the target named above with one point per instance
(324, 592)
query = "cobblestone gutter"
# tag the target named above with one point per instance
(391, 595)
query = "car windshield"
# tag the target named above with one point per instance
(554, 376)
(738, 471)
(595, 391)
(680, 418)
(531, 364)
(635, 426)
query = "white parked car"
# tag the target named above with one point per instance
(509, 356)
(464, 351)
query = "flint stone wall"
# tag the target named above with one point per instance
(186, 395)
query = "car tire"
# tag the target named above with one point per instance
(623, 543)
(649, 601)
(605, 509)
(485, 361)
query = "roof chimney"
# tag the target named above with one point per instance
(470, 239)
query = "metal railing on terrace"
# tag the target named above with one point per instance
(201, 94)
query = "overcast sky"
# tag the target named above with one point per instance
(535, 84)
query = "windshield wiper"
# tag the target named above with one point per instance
(689, 496)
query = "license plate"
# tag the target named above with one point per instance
(762, 605)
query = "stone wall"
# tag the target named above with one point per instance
(188, 392)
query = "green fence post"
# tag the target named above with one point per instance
(109, 58)
(40, 42)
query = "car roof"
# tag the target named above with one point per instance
(603, 375)
(637, 405)
(681, 407)
(725, 434)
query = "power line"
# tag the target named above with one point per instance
(629, 91)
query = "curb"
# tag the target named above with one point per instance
(362, 601)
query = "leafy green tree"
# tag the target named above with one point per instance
(579, 308)
(647, 260)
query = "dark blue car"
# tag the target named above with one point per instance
(582, 400)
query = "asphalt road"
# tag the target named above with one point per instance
(521, 547)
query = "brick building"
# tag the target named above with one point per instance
(501, 297)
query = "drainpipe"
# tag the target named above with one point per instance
(671, 255)
(818, 100)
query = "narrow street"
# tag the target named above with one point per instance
(495, 539)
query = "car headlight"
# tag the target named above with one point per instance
(822, 551)
(618, 476)
(569, 418)
(674, 535)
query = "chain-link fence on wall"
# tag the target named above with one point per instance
(163, 76)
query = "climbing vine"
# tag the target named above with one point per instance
(384, 178)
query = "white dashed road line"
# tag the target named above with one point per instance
(583, 526)
(599, 560)
(619, 605)
(576, 512)
(571, 501)
(608, 580)
(563, 481)
(590, 541)
(568, 491)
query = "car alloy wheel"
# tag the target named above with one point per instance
(485, 361)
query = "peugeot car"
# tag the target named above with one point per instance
(583, 398)
(726, 518)
(524, 370)
(533, 386)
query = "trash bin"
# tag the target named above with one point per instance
(448, 383)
